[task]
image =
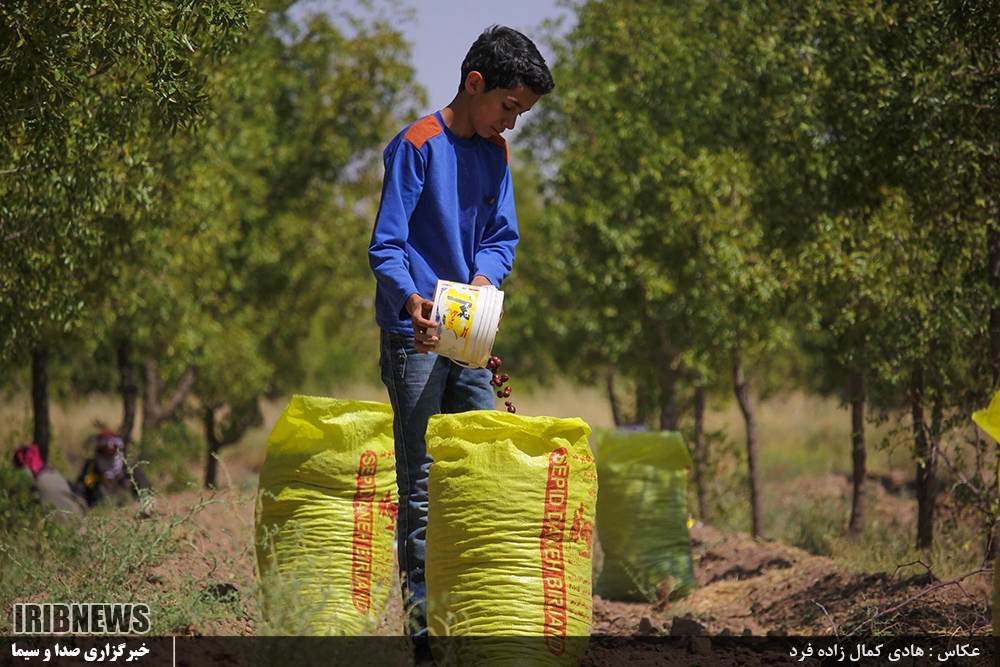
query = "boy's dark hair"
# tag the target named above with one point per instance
(507, 58)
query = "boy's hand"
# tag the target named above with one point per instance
(423, 337)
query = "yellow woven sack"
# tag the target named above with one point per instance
(326, 511)
(989, 420)
(642, 516)
(509, 538)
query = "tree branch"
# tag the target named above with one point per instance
(933, 587)
(183, 389)
(962, 479)
(671, 352)
(29, 167)
(98, 72)
(836, 633)
(14, 235)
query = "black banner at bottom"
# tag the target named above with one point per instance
(594, 651)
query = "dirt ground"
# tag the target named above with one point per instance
(745, 587)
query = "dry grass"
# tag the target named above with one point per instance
(805, 455)
(73, 426)
(800, 435)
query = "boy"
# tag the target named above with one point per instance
(447, 212)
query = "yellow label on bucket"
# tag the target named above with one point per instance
(459, 313)
(467, 318)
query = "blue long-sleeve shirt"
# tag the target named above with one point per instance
(447, 212)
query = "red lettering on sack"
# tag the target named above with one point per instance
(582, 531)
(551, 548)
(390, 509)
(364, 516)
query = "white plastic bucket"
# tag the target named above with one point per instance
(467, 317)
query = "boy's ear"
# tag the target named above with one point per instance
(474, 83)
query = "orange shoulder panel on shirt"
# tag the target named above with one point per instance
(422, 130)
(500, 141)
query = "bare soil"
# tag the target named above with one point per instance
(745, 587)
(750, 587)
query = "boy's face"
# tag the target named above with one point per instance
(497, 110)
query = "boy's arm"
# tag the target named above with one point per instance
(401, 188)
(495, 255)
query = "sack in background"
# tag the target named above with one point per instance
(642, 516)
(326, 515)
(509, 538)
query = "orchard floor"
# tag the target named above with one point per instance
(745, 587)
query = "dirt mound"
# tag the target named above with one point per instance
(745, 586)
(750, 587)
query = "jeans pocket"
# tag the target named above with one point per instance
(399, 362)
(394, 348)
(392, 357)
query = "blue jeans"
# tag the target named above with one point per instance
(421, 385)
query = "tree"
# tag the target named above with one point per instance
(724, 169)
(264, 219)
(80, 87)
(666, 270)
(874, 113)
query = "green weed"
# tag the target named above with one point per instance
(114, 555)
(886, 544)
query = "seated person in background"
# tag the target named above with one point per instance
(51, 487)
(108, 476)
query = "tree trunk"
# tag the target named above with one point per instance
(993, 259)
(129, 392)
(742, 388)
(227, 431)
(150, 397)
(153, 413)
(668, 395)
(700, 454)
(934, 445)
(616, 414)
(993, 264)
(859, 454)
(641, 401)
(40, 399)
(925, 453)
(214, 446)
(667, 378)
